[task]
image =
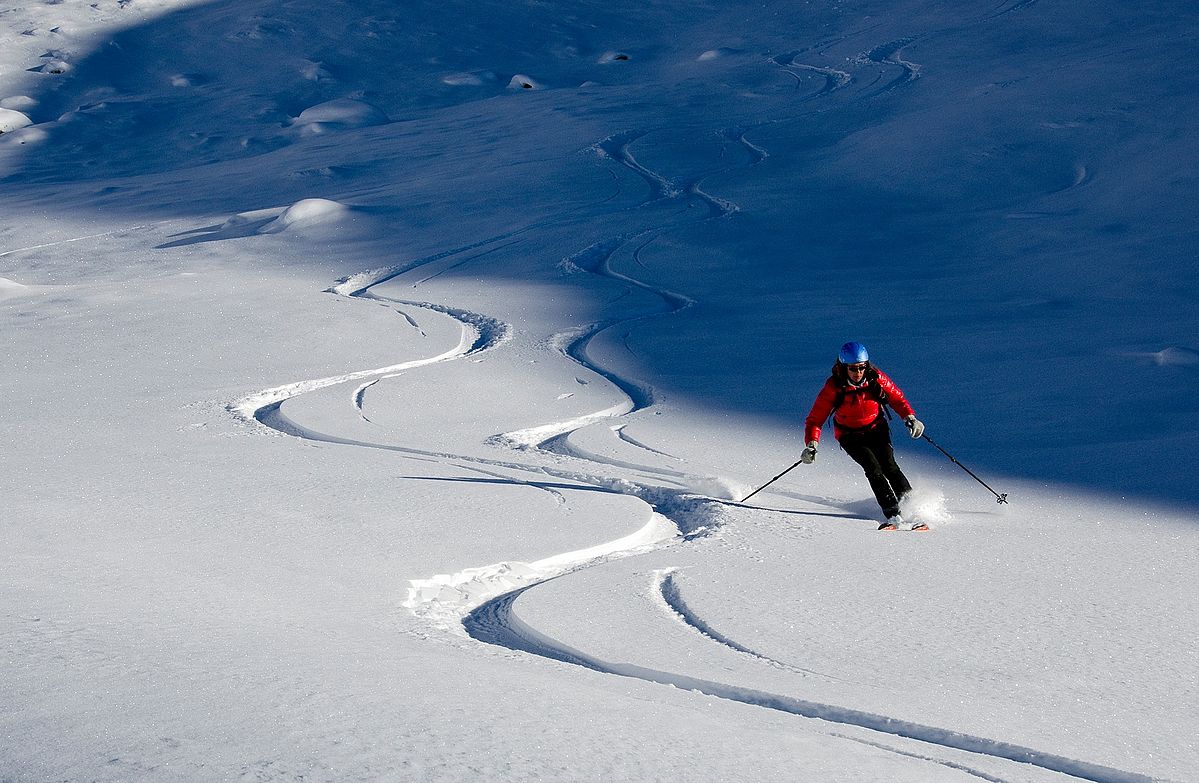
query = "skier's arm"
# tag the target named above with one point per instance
(895, 397)
(821, 409)
(900, 405)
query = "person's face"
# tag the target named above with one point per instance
(856, 371)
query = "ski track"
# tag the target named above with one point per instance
(921, 757)
(667, 589)
(737, 136)
(360, 394)
(361, 283)
(449, 597)
(463, 262)
(479, 601)
(412, 322)
(496, 623)
(833, 79)
(890, 54)
(620, 433)
(1008, 7)
(480, 333)
(573, 345)
(616, 147)
(559, 498)
(444, 600)
(101, 235)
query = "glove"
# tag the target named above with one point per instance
(914, 426)
(809, 454)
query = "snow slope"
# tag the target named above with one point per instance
(382, 383)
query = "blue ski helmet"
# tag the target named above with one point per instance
(853, 353)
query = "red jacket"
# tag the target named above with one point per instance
(859, 405)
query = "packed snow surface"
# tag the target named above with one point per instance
(384, 381)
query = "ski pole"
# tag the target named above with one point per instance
(768, 483)
(998, 497)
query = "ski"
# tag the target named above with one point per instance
(918, 527)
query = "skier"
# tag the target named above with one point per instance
(855, 394)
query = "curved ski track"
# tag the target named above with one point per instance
(484, 607)
(668, 590)
(833, 78)
(495, 623)
(891, 53)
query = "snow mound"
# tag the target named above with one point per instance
(1172, 356)
(339, 114)
(522, 82)
(315, 72)
(612, 57)
(306, 213)
(716, 54)
(11, 120)
(53, 65)
(26, 135)
(189, 80)
(11, 288)
(21, 103)
(1175, 356)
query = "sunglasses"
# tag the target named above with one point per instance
(856, 367)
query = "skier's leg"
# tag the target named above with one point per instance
(862, 454)
(885, 455)
(898, 481)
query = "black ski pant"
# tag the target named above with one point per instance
(870, 447)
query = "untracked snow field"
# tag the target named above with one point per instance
(382, 383)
